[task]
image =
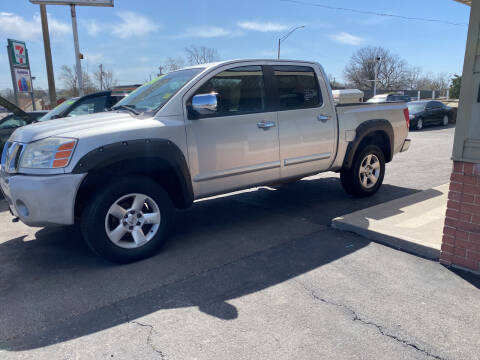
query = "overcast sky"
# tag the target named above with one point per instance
(135, 37)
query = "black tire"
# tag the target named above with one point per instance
(443, 120)
(419, 122)
(350, 178)
(93, 219)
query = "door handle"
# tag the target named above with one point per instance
(266, 125)
(323, 117)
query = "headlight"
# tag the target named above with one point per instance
(49, 153)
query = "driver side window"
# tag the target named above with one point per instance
(239, 90)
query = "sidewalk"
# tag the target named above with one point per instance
(413, 223)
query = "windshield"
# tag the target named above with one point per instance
(157, 92)
(415, 108)
(58, 110)
(8, 117)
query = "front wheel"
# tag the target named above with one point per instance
(445, 120)
(366, 175)
(128, 220)
(419, 124)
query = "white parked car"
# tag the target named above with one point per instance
(190, 134)
(381, 98)
(348, 96)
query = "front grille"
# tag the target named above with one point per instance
(11, 156)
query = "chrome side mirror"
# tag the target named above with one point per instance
(205, 104)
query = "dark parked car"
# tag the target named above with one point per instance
(16, 119)
(88, 104)
(426, 112)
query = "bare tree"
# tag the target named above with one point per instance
(393, 72)
(440, 81)
(201, 55)
(414, 78)
(334, 84)
(8, 94)
(105, 78)
(68, 76)
(172, 64)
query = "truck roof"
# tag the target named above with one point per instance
(224, 62)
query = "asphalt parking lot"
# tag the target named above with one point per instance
(256, 274)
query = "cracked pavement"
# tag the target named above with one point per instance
(256, 274)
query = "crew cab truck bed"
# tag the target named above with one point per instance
(195, 132)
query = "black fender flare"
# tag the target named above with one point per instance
(363, 131)
(152, 152)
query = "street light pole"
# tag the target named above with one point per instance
(284, 37)
(279, 42)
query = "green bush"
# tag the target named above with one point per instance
(455, 87)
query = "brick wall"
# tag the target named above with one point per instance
(461, 234)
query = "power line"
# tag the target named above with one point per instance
(307, 3)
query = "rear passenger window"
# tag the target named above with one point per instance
(239, 90)
(297, 87)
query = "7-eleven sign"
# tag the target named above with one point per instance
(18, 53)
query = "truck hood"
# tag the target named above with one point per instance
(74, 126)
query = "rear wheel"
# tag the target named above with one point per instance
(128, 220)
(366, 175)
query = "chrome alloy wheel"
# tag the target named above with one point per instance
(445, 120)
(132, 221)
(369, 171)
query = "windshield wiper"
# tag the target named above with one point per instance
(126, 107)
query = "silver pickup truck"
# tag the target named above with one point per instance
(196, 132)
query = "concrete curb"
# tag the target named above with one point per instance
(395, 242)
(412, 223)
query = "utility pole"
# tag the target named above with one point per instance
(33, 96)
(101, 77)
(77, 50)
(377, 61)
(48, 57)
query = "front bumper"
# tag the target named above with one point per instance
(41, 200)
(406, 145)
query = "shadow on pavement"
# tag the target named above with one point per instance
(52, 289)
